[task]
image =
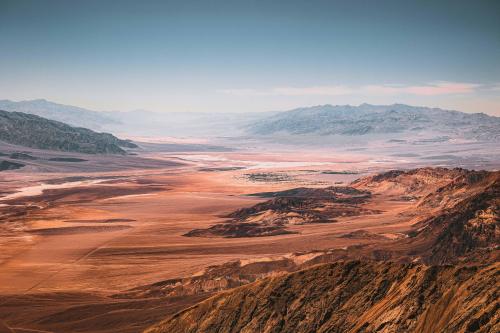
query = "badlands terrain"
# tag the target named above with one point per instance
(248, 233)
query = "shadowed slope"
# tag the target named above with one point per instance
(353, 297)
(36, 132)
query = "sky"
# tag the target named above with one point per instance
(251, 56)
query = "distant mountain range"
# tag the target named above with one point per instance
(390, 121)
(140, 122)
(36, 132)
(367, 119)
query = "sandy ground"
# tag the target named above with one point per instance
(61, 248)
(117, 230)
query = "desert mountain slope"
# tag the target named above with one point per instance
(456, 213)
(353, 296)
(379, 119)
(471, 224)
(416, 182)
(36, 132)
(441, 277)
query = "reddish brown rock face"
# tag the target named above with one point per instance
(353, 296)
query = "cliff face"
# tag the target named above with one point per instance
(353, 296)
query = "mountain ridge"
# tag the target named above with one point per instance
(395, 121)
(352, 296)
(36, 132)
(368, 119)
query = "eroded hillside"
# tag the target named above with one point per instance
(441, 277)
(353, 296)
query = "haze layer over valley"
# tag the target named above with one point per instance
(402, 134)
(320, 122)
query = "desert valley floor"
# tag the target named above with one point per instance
(85, 252)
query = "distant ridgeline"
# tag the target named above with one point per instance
(392, 122)
(379, 119)
(36, 132)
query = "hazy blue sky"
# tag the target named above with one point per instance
(251, 55)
